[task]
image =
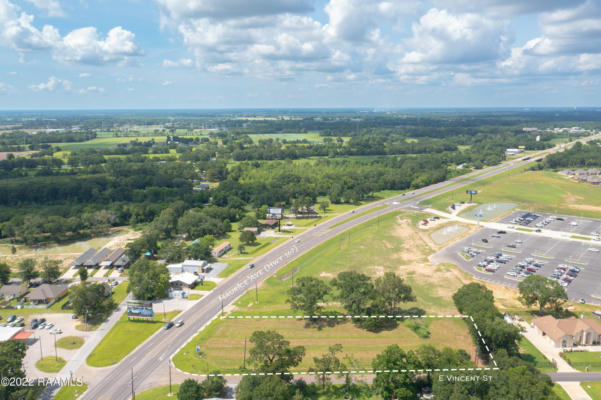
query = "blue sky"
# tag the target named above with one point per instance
(59, 54)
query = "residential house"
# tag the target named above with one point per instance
(97, 258)
(270, 223)
(81, 260)
(202, 186)
(117, 259)
(568, 332)
(9, 292)
(47, 293)
(252, 229)
(221, 249)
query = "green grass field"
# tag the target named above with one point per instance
(391, 245)
(70, 392)
(233, 266)
(560, 392)
(206, 286)
(50, 364)
(357, 215)
(70, 342)
(543, 191)
(124, 337)
(311, 137)
(105, 142)
(531, 354)
(593, 389)
(582, 359)
(158, 393)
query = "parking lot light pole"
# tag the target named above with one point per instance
(55, 350)
(40, 340)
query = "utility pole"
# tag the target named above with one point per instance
(164, 314)
(133, 394)
(55, 350)
(244, 365)
(222, 306)
(256, 292)
(40, 340)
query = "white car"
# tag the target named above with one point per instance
(56, 331)
(593, 249)
(49, 325)
(179, 323)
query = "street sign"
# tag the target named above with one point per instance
(197, 349)
(471, 192)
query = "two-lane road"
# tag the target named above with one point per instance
(156, 351)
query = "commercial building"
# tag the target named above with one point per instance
(513, 152)
(190, 266)
(80, 261)
(47, 293)
(221, 249)
(568, 332)
(185, 280)
(9, 292)
(117, 259)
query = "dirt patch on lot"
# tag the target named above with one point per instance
(4, 154)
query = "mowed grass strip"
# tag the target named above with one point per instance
(583, 359)
(531, 354)
(593, 389)
(355, 216)
(71, 392)
(543, 191)
(222, 342)
(158, 393)
(124, 337)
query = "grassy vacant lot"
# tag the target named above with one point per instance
(533, 190)
(392, 245)
(593, 389)
(70, 342)
(158, 393)
(206, 285)
(123, 338)
(357, 215)
(50, 364)
(582, 359)
(232, 267)
(530, 353)
(223, 341)
(70, 392)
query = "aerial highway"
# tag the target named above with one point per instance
(115, 383)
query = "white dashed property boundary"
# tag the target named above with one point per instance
(357, 372)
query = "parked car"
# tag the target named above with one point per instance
(49, 325)
(11, 318)
(74, 316)
(56, 331)
(42, 325)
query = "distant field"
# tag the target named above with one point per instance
(543, 191)
(311, 137)
(104, 142)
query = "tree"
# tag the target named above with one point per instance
(323, 206)
(307, 294)
(213, 386)
(172, 251)
(272, 353)
(4, 273)
(391, 290)
(91, 299)
(147, 242)
(27, 270)
(536, 289)
(355, 291)
(248, 221)
(328, 362)
(50, 270)
(199, 251)
(189, 390)
(83, 274)
(241, 248)
(263, 388)
(247, 237)
(389, 384)
(148, 280)
(12, 353)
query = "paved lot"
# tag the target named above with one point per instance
(574, 225)
(548, 251)
(67, 325)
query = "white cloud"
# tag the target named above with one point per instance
(91, 89)
(83, 45)
(182, 62)
(441, 37)
(504, 8)
(229, 9)
(53, 84)
(85, 75)
(167, 83)
(52, 7)
(4, 88)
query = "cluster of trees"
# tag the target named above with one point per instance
(543, 292)
(148, 280)
(516, 378)
(578, 156)
(12, 354)
(29, 269)
(210, 388)
(357, 293)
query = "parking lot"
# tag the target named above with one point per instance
(507, 258)
(554, 222)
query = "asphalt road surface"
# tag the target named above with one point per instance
(156, 351)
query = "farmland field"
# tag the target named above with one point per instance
(104, 142)
(311, 137)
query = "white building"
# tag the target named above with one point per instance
(185, 280)
(513, 152)
(190, 266)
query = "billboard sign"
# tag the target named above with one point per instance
(139, 309)
(471, 192)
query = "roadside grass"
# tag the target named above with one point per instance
(582, 359)
(195, 296)
(50, 364)
(260, 247)
(70, 342)
(560, 392)
(543, 191)
(158, 393)
(355, 216)
(233, 266)
(70, 392)
(222, 342)
(392, 245)
(123, 338)
(206, 286)
(120, 292)
(593, 389)
(531, 354)
(580, 237)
